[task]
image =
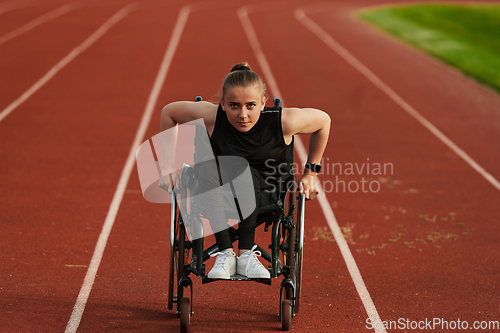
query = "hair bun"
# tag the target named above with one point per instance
(242, 75)
(244, 66)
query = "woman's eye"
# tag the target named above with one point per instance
(251, 106)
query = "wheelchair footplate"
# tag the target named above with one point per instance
(237, 277)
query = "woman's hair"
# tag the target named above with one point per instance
(241, 75)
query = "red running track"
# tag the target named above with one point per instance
(426, 243)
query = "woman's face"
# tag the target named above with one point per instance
(243, 106)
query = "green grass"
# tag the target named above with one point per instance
(464, 36)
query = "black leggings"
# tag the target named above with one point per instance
(213, 204)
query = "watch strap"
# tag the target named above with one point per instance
(313, 167)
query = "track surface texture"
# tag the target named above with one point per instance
(425, 243)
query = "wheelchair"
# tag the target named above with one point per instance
(187, 253)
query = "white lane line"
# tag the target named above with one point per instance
(347, 56)
(38, 21)
(66, 60)
(8, 6)
(88, 282)
(261, 58)
(325, 205)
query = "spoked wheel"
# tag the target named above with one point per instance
(174, 230)
(172, 279)
(289, 232)
(185, 314)
(299, 251)
(286, 315)
(181, 258)
(178, 253)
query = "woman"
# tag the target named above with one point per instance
(240, 126)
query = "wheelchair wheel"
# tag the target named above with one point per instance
(286, 315)
(171, 280)
(299, 251)
(185, 314)
(289, 232)
(172, 275)
(178, 256)
(181, 258)
(288, 247)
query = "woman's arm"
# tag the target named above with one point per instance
(183, 112)
(173, 114)
(316, 123)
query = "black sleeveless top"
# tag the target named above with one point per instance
(263, 146)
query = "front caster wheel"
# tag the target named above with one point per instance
(286, 315)
(185, 314)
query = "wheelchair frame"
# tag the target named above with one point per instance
(187, 256)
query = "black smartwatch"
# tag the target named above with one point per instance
(313, 167)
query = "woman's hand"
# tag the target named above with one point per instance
(308, 185)
(169, 181)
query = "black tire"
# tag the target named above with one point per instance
(180, 256)
(286, 315)
(183, 251)
(185, 305)
(177, 255)
(171, 280)
(172, 274)
(289, 234)
(299, 253)
(293, 231)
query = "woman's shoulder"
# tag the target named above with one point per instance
(185, 111)
(290, 118)
(302, 120)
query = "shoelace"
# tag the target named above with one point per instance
(253, 260)
(221, 260)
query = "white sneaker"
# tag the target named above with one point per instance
(225, 265)
(249, 265)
